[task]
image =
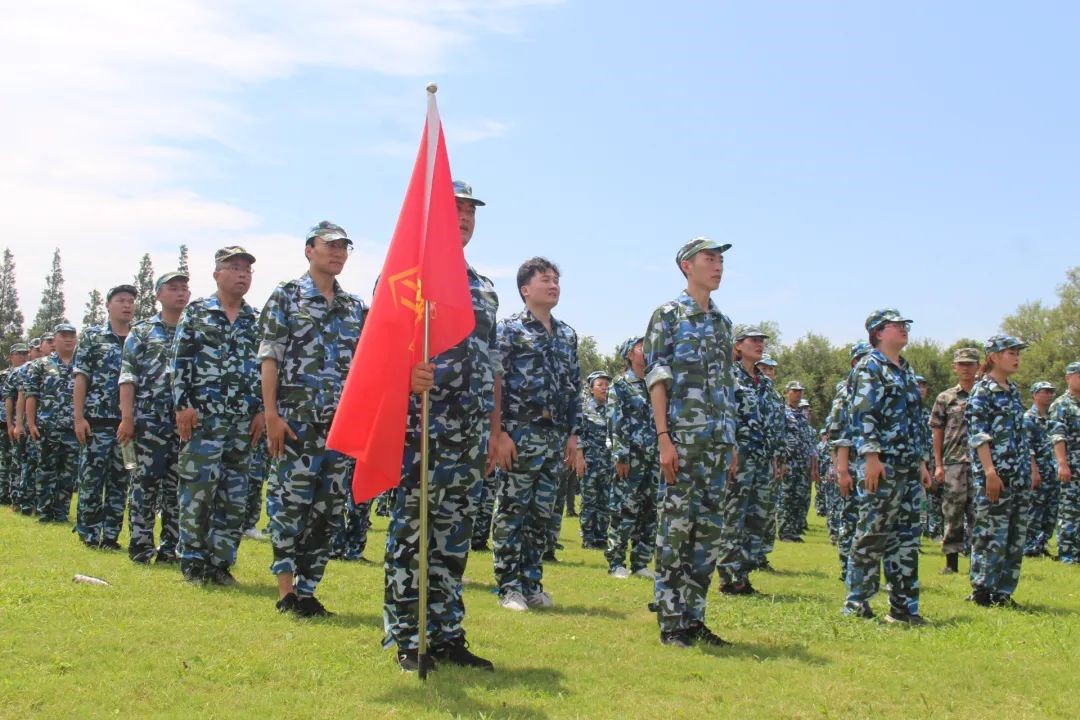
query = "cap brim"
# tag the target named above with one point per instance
(244, 255)
(471, 199)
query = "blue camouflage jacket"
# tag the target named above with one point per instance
(98, 357)
(995, 415)
(541, 375)
(633, 432)
(798, 437)
(760, 429)
(885, 411)
(52, 382)
(1042, 453)
(145, 363)
(1064, 426)
(594, 435)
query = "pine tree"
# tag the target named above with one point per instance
(95, 310)
(11, 317)
(51, 309)
(183, 266)
(145, 303)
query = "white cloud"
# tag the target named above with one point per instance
(102, 99)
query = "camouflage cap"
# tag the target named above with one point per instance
(326, 231)
(920, 379)
(596, 375)
(19, 347)
(173, 275)
(48, 336)
(966, 355)
(1000, 342)
(766, 360)
(859, 349)
(877, 318)
(1041, 385)
(228, 253)
(750, 333)
(64, 328)
(463, 191)
(804, 403)
(793, 385)
(129, 289)
(35, 343)
(696, 245)
(628, 345)
(1072, 368)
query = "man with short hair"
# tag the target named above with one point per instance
(148, 420)
(952, 462)
(219, 417)
(40, 347)
(12, 443)
(1063, 430)
(594, 453)
(50, 391)
(1042, 515)
(765, 497)
(103, 481)
(800, 463)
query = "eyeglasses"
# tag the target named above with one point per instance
(901, 325)
(339, 244)
(238, 269)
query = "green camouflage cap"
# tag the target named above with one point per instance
(859, 349)
(628, 345)
(1041, 385)
(35, 343)
(966, 355)
(596, 375)
(228, 253)
(695, 246)
(793, 385)
(174, 275)
(19, 347)
(64, 328)
(1072, 368)
(1000, 342)
(766, 360)
(130, 289)
(463, 191)
(327, 232)
(875, 319)
(750, 333)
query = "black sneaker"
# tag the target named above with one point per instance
(903, 618)
(220, 576)
(549, 556)
(141, 556)
(481, 547)
(981, 597)
(92, 544)
(289, 604)
(699, 632)
(675, 638)
(194, 573)
(110, 545)
(1003, 600)
(456, 652)
(863, 611)
(166, 558)
(729, 589)
(311, 607)
(766, 566)
(409, 661)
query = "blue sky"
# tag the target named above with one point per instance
(919, 155)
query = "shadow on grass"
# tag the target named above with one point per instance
(448, 690)
(793, 598)
(795, 573)
(1028, 608)
(587, 610)
(762, 653)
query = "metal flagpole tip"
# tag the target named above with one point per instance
(432, 88)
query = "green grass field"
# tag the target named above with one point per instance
(153, 646)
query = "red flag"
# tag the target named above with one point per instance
(425, 262)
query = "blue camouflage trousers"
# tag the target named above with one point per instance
(792, 505)
(742, 521)
(634, 514)
(1068, 522)
(847, 520)
(525, 501)
(595, 497)
(688, 534)
(103, 486)
(305, 499)
(58, 471)
(26, 498)
(563, 499)
(886, 534)
(260, 468)
(16, 448)
(934, 522)
(1042, 513)
(998, 536)
(213, 467)
(5, 465)
(456, 476)
(485, 509)
(155, 485)
(351, 539)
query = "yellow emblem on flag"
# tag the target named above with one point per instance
(406, 291)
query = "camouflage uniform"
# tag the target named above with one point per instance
(24, 495)
(884, 417)
(257, 472)
(765, 497)
(103, 481)
(827, 490)
(795, 487)
(147, 355)
(633, 499)
(461, 402)
(541, 408)
(759, 434)
(215, 372)
(935, 520)
(5, 442)
(957, 492)
(1064, 427)
(1042, 513)
(313, 341)
(485, 509)
(52, 383)
(594, 441)
(351, 538)
(689, 349)
(15, 447)
(995, 415)
(846, 512)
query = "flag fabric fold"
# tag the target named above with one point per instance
(424, 263)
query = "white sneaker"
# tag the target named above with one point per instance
(644, 573)
(620, 572)
(254, 534)
(540, 600)
(514, 600)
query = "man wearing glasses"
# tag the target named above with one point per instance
(308, 332)
(218, 417)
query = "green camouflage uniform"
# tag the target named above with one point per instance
(957, 491)
(52, 383)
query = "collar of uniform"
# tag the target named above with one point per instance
(213, 302)
(994, 385)
(631, 376)
(884, 360)
(528, 317)
(692, 308)
(753, 378)
(308, 289)
(960, 389)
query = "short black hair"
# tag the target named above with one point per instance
(531, 267)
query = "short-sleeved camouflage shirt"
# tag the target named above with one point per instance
(1064, 426)
(52, 382)
(145, 363)
(98, 357)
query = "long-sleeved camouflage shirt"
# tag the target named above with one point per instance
(594, 433)
(145, 363)
(836, 421)
(1037, 428)
(799, 441)
(948, 415)
(313, 342)
(4, 375)
(52, 382)
(98, 357)
(885, 411)
(760, 429)
(995, 415)
(633, 432)
(1064, 426)
(215, 367)
(541, 375)
(688, 348)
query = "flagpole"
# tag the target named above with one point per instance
(425, 404)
